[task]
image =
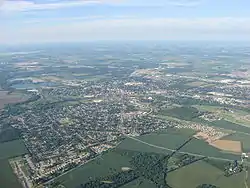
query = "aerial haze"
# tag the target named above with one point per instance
(79, 20)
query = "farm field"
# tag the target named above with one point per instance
(228, 145)
(202, 173)
(182, 131)
(243, 138)
(7, 176)
(102, 166)
(231, 126)
(9, 150)
(12, 149)
(172, 141)
(6, 98)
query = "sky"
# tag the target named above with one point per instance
(42, 21)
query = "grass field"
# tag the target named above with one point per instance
(231, 126)
(107, 164)
(12, 149)
(202, 173)
(9, 150)
(172, 141)
(7, 177)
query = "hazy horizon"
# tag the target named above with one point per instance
(43, 21)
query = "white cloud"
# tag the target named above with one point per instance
(63, 19)
(126, 29)
(22, 5)
(185, 3)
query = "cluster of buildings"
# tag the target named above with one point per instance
(207, 133)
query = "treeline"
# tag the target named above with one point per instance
(185, 113)
(112, 181)
(207, 186)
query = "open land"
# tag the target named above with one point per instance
(228, 145)
(243, 138)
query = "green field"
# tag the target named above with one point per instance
(243, 138)
(7, 177)
(184, 113)
(102, 166)
(172, 141)
(231, 126)
(12, 149)
(202, 173)
(182, 131)
(237, 116)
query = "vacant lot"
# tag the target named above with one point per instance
(12, 149)
(6, 98)
(107, 164)
(202, 173)
(228, 145)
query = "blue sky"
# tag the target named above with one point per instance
(32, 21)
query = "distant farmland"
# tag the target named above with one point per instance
(6, 98)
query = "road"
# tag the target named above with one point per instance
(167, 149)
(246, 178)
